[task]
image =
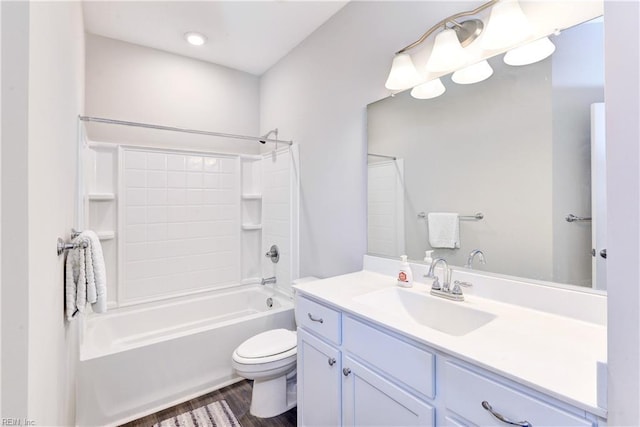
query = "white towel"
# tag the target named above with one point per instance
(70, 280)
(97, 289)
(444, 230)
(85, 276)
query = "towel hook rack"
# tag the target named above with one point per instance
(62, 246)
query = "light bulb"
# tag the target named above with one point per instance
(447, 53)
(507, 26)
(473, 73)
(530, 52)
(403, 74)
(428, 90)
(195, 39)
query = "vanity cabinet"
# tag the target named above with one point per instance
(353, 372)
(339, 385)
(319, 382)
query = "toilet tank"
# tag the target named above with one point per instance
(299, 282)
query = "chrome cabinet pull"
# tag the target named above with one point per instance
(500, 417)
(332, 361)
(346, 372)
(315, 319)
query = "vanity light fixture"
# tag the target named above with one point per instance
(530, 52)
(473, 73)
(194, 38)
(507, 26)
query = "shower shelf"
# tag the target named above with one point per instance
(252, 196)
(101, 196)
(106, 235)
(252, 226)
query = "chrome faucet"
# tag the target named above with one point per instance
(445, 278)
(268, 280)
(471, 257)
(444, 291)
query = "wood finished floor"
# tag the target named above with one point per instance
(237, 395)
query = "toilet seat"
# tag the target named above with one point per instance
(269, 346)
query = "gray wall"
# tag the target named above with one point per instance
(317, 96)
(135, 83)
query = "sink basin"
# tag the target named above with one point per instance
(453, 318)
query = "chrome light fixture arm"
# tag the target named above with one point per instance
(468, 34)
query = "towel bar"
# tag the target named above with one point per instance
(62, 246)
(477, 217)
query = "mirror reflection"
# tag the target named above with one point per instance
(515, 148)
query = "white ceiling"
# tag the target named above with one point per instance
(250, 36)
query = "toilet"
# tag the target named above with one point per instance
(269, 359)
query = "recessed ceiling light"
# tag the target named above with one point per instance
(196, 39)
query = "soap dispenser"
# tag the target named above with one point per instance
(428, 259)
(405, 276)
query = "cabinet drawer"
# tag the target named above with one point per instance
(319, 318)
(466, 390)
(396, 358)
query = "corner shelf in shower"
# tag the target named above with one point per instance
(252, 196)
(106, 235)
(101, 196)
(252, 226)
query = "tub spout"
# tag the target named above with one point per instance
(268, 280)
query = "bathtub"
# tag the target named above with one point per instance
(136, 361)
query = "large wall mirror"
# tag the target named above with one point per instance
(516, 148)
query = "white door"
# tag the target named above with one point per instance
(598, 197)
(370, 400)
(319, 380)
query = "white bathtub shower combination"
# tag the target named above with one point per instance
(184, 247)
(137, 361)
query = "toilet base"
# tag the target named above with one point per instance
(274, 396)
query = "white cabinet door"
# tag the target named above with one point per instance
(370, 400)
(319, 382)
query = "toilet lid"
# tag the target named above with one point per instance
(267, 343)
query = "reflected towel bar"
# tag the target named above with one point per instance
(476, 217)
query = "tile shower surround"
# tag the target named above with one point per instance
(276, 216)
(181, 222)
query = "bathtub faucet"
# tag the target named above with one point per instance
(268, 280)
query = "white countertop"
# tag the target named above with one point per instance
(556, 355)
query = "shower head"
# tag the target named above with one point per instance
(266, 135)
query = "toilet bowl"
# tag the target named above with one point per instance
(269, 359)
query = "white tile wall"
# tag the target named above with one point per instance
(181, 222)
(276, 216)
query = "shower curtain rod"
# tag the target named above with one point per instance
(184, 130)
